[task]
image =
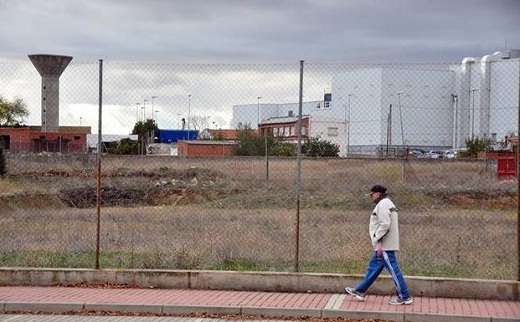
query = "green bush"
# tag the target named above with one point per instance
(284, 149)
(252, 144)
(125, 146)
(474, 145)
(317, 147)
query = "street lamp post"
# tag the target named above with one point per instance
(144, 109)
(258, 112)
(153, 112)
(454, 103)
(389, 130)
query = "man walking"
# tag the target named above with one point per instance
(384, 233)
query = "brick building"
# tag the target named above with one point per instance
(68, 139)
(49, 136)
(206, 149)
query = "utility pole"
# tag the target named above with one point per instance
(347, 121)
(400, 116)
(258, 113)
(189, 114)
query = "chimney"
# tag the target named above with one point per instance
(50, 68)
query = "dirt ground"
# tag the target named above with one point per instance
(131, 183)
(204, 316)
(128, 197)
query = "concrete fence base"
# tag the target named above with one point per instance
(258, 281)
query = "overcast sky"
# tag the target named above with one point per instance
(231, 37)
(259, 30)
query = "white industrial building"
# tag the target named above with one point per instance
(395, 106)
(413, 105)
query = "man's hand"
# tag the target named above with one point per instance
(379, 250)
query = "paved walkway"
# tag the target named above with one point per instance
(183, 301)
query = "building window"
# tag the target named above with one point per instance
(76, 137)
(332, 131)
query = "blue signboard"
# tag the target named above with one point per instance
(173, 136)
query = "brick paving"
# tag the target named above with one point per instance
(316, 304)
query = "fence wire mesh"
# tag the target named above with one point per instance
(212, 183)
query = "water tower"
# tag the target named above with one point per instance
(50, 68)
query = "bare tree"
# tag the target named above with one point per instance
(199, 122)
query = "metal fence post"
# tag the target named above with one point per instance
(98, 159)
(518, 182)
(299, 160)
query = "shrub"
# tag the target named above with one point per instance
(284, 149)
(252, 144)
(316, 147)
(474, 145)
(124, 146)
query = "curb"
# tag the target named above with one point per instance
(507, 290)
(271, 312)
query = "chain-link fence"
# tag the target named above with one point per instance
(216, 183)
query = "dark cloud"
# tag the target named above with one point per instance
(259, 31)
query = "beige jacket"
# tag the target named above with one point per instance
(384, 225)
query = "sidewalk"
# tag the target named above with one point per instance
(184, 301)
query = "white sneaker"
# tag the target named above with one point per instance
(400, 301)
(357, 295)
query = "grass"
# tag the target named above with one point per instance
(125, 260)
(453, 270)
(198, 238)
(252, 224)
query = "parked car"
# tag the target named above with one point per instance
(453, 153)
(418, 153)
(450, 154)
(433, 154)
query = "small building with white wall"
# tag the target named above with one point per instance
(312, 126)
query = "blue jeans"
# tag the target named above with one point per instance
(387, 260)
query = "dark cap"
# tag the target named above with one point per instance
(378, 188)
